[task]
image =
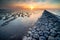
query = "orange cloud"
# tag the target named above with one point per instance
(33, 5)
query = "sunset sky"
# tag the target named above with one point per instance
(31, 3)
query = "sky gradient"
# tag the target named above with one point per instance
(37, 3)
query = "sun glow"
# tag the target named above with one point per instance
(36, 6)
(31, 7)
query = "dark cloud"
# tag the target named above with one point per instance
(11, 1)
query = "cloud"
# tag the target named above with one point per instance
(11, 1)
(7, 2)
(39, 0)
(54, 1)
(15, 1)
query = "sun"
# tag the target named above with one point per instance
(31, 7)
